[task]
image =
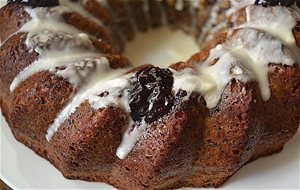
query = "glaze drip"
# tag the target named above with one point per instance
(146, 95)
(244, 57)
(107, 88)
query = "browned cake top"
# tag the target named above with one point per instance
(65, 39)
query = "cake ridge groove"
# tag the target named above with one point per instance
(210, 113)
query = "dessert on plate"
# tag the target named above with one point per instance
(68, 93)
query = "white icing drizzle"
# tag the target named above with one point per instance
(48, 19)
(245, 57)
(45, 41)
(261, 49)
(237, 5)
(296, 11)
(59, 46)
(71, 67)
(211, 21)
(250, 51)
(108, 81)
(101, 2)
(281, 18)
(65, 51)
(210, 80)
(214, 30)
(145, 7)
(194, 4)
(2, 3)
(179, 5)
(130, 137)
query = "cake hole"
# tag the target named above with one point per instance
(43, 101)
(248, 148)
(72, 148)
(161, 47)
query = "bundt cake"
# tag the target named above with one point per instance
(69, 94)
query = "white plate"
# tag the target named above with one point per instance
(21, 168)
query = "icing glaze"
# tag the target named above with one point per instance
(145, 6)
(2, 3)
(249, 50)
(59, 46)
(194, 4)
(179, 5)
(65, 51)
(71, 67)
(108, 81)
(266, 37)
(281, 18)
(211, 22)
(237, 5)
(130, 137)
(47, 19)
(46, 40)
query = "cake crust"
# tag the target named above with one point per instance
(194, 124)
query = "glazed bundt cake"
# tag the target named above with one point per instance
(69, 94)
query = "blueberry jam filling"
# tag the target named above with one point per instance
(36, 3)
(151, 94)
(266, 3)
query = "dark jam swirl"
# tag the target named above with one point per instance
(36, 3)
(151, 94)
(266, 3)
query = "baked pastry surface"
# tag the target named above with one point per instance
(69, 94)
